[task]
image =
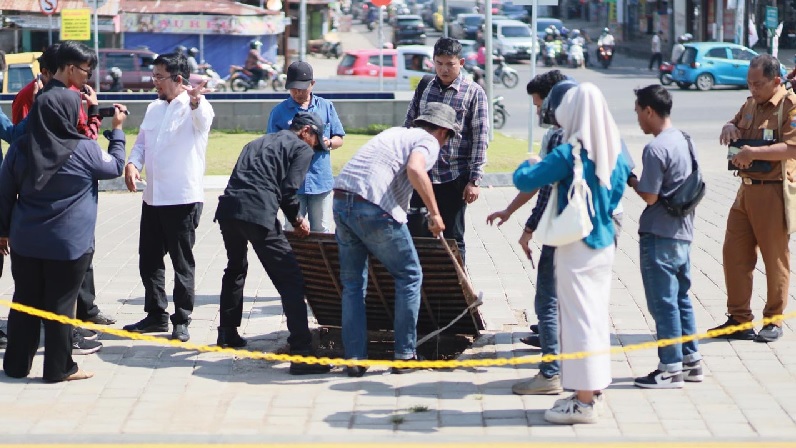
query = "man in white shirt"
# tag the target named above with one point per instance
(657, 58)
(171, 145)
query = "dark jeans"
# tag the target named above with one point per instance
(451, 208)
(169, 229)
(546, 307)
(280, 264)
(87, 296)
(656, 60)
(50, 285)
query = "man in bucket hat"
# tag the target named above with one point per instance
(371, 198)
(315, 199)
(266, 177)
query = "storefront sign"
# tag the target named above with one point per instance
(203, 24)
(106, 24)
(76, 24)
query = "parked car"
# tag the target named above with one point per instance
(366, 63)
(409, 30)
(513, 39)
(466, 26)
(516, 12)
(707, 64)
(136, 66)
(20, 70)
(543, 23)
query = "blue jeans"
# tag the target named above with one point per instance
(362, 229)
(317, 209)
(546, 306)
(666, 272)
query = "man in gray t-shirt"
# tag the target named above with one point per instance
(665, 241)
(371, 196)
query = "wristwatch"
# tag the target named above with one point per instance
(476, 182)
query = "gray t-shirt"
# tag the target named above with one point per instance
(377, 172)
(666, 164)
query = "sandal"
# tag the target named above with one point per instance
(79, 375)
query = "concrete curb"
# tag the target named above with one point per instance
(220, 182)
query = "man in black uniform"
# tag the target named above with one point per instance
(266, 177)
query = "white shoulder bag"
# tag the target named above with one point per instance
(574, 222)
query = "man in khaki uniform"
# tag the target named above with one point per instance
(758, 218)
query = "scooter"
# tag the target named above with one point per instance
(665, 73)
(605, 54)
(332, 49)
(214, 80)
(499, 113)
(241, 80)
(576, 59)
(549, 57)
(507, 75)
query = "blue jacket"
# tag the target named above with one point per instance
(558, 166)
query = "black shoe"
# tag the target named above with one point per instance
(532, 340)
(229, 337)
(149, 324)
(769, 333)
(535, 329)
(355, 371)
(101, 319)
(741, 335)
(3, 339)
(82, 346)
(180, 333)
(402, 370)
(86, 334)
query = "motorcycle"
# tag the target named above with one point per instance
(576, 58)
(665, 73)
(505, 74)
(549, 56)
(372, 19)
(499, 113)
(605, 54)
(241, 80)
(214, 80)
(332, 49)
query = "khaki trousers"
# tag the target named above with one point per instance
(756, 220)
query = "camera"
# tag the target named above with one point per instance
(109, 111)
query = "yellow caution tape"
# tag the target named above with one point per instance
(389, 363)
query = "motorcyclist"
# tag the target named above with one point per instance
(606, 40)
(116, 80)
(253, 61)
(180, 49)
(576, 41)
(192, 64)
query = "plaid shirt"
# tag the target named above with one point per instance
(554, 138)
(464, 154)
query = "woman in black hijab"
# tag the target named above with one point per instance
(48, 212)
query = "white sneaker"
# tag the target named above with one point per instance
(571, 411)
(539, 385)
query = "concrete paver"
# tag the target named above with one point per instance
(145, 389)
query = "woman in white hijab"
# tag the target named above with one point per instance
(583, 268)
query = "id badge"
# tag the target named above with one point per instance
(768, 134)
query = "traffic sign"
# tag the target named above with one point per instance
(48, 7)
(95, 4)
(772, 17)
(381, 2)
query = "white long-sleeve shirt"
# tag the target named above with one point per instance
(171, 145)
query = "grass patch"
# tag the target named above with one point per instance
(418, 408)
(397, 419)
(223, 148)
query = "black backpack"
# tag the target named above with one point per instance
(687, 196)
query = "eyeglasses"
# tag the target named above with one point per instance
(159, 79)
(87, 72)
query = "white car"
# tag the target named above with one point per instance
(514, 39)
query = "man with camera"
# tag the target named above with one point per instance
(171, 146)
(764, 212)
(665, 240)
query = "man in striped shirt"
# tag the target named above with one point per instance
(456, 176)
(371, 197)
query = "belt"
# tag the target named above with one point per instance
(748, 181)
(342, 194)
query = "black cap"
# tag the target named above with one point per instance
(315, 123)
(299, 75)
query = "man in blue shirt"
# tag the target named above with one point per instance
(315, 199)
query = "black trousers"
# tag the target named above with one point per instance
(451, 208)
(656, 60)
(50, 285)
(280, 264)
(87, 296)
(168, 229)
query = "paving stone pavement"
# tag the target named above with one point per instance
(145, 392)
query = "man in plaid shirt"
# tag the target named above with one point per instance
(546, 90)
(456, 177)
